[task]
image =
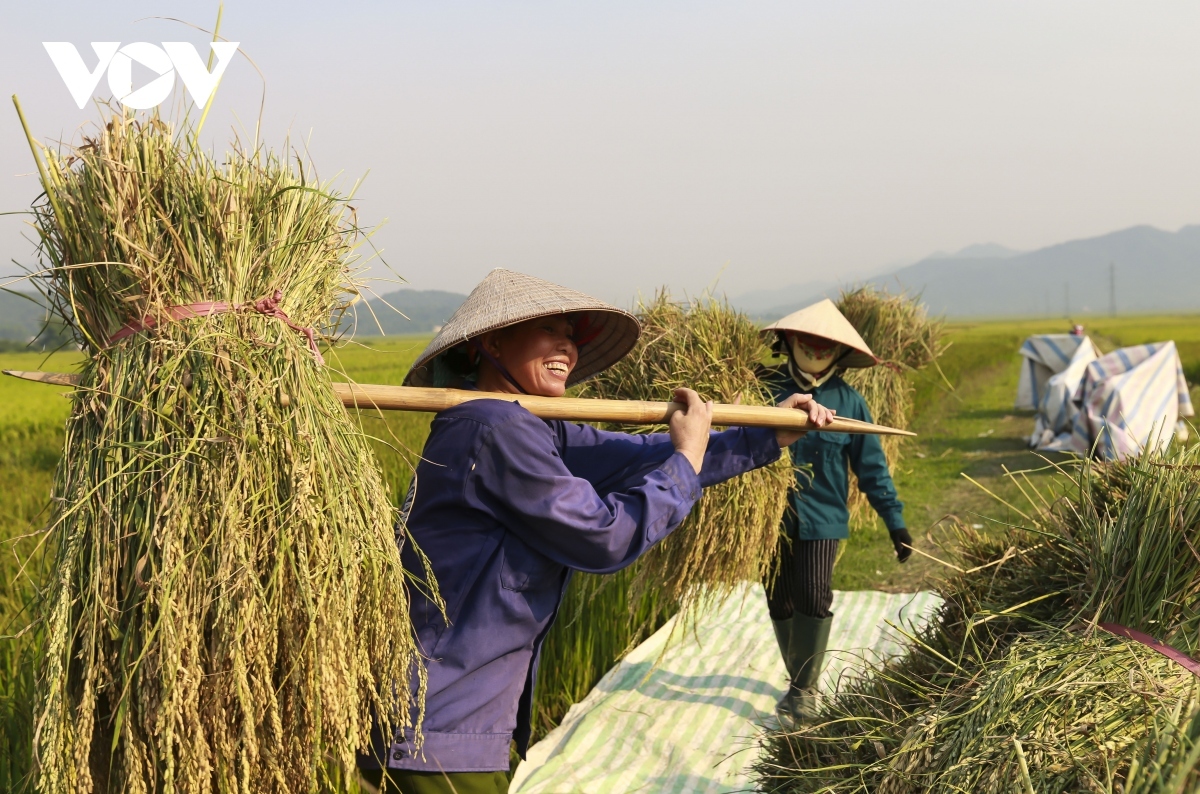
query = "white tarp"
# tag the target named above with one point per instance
(1129, 400)
(1053, 368)
(690, 723)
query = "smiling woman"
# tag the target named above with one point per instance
(507, 506)
(533, 357)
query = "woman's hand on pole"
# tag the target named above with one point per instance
(818, 414)
(689, 427)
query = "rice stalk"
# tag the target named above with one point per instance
(226, 610)
(598, 623)
(1109, 542)
(731, 535)
(1169, 761)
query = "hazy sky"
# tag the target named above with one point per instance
(618, 146)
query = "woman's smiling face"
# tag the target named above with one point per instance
(540, 354)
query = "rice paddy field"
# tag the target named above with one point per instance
(963, 416)
(966, 426)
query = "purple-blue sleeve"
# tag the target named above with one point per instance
(521, 479)
(609, 460)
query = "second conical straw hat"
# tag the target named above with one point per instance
(823, 319)
(506, 298)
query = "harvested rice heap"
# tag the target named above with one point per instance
(731, 535)
(901, 333)
(227, 610)
(1015, 686)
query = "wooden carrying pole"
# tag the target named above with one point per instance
(626, 412)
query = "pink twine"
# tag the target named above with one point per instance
(268, 307)
(1177, 656)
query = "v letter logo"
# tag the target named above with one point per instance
(80, 82)
(195, 75)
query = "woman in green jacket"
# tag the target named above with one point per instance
(818, 342)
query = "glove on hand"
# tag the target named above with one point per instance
(901, 540)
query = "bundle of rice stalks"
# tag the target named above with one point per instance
(1057, 713)
(1169, 761)
(732, 533)
(227, 610)
(899, 331)
(731, 536)
(1110, 542)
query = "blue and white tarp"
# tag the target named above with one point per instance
(1052, 369)
(1130, 400)
(688, 719)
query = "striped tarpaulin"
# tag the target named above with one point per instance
(1129, 400)
(1053, 366)
(1043, 356)
(689, 724)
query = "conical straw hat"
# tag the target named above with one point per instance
(823, 319)
(506, 298)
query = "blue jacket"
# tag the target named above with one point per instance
(817, 508)
(506, 506)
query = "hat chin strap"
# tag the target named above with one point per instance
(808, 380)
(503, 370)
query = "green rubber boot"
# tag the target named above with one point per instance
(806, 655)
(783, 636)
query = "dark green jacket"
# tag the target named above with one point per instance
(817, 509)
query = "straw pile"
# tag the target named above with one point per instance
(900, 332)
(227, 609)
(1012, 655)
(731, 536)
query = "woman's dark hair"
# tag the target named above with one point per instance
(456, 365)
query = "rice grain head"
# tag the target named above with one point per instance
(732, 534)
(1105, 542)
(227, 609)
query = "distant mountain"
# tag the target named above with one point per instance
(1153, 270)
(20, 317)
(23, 324)
(764, 301)
(422, 312)
(979, 251)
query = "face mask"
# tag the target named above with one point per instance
(811, 359)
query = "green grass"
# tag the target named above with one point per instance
(397, 437)
(31, 442)
(968, 426)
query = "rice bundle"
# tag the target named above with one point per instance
(1169, 757)
(1080, 708)
(732, 534)
(227, 610)
(730, 537)
(1111, 543)
(899, 331)
(1076, 706)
